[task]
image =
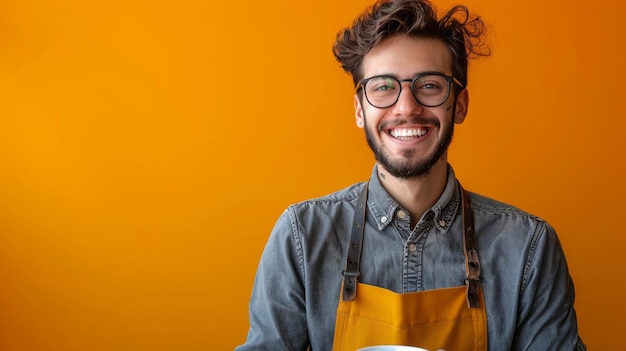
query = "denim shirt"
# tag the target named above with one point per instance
(529, 294)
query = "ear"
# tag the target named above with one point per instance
(358, 112)
(462, 104)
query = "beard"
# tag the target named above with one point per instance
(409, 166)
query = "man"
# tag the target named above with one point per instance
(409, 257)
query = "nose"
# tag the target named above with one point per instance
(407, 104)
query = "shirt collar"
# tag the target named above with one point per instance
(383, 207)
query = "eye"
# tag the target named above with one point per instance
(427, 85)
(430, 85)
(381, 84)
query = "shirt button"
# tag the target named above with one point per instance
(401, 214)
(412, 248)
(442, 223)
(383, 219)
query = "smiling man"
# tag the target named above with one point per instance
(409, 257)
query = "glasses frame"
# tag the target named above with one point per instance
(450, 79)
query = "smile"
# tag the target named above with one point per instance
(408, 133)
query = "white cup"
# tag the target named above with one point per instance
(391, 348)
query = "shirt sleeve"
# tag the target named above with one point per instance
(277, 305)
(547, 320)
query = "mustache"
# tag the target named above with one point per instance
(413, 120)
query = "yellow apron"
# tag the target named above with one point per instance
(453, 319)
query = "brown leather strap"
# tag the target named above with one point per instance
(472, 264)
(351, 274)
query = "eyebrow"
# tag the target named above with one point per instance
(423, 73)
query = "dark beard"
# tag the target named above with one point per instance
(409, 169)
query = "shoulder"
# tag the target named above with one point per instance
(508, 224)
(487, 206)
(321, 217)
(346, 197)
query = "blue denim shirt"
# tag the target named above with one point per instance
(529, 294)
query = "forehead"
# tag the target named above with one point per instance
(405, 57)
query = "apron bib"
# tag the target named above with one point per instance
(453, 319)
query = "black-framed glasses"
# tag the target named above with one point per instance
(430, 89)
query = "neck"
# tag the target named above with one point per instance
(417, 194)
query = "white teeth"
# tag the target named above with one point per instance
(398, 133)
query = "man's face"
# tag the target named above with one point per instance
(408, 138)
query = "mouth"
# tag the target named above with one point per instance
(406, 134)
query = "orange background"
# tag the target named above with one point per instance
(147, 147)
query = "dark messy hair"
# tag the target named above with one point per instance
(458, 29)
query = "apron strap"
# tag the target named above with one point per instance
(351, 274)
(472, 264)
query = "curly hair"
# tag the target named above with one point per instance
(458, 29)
